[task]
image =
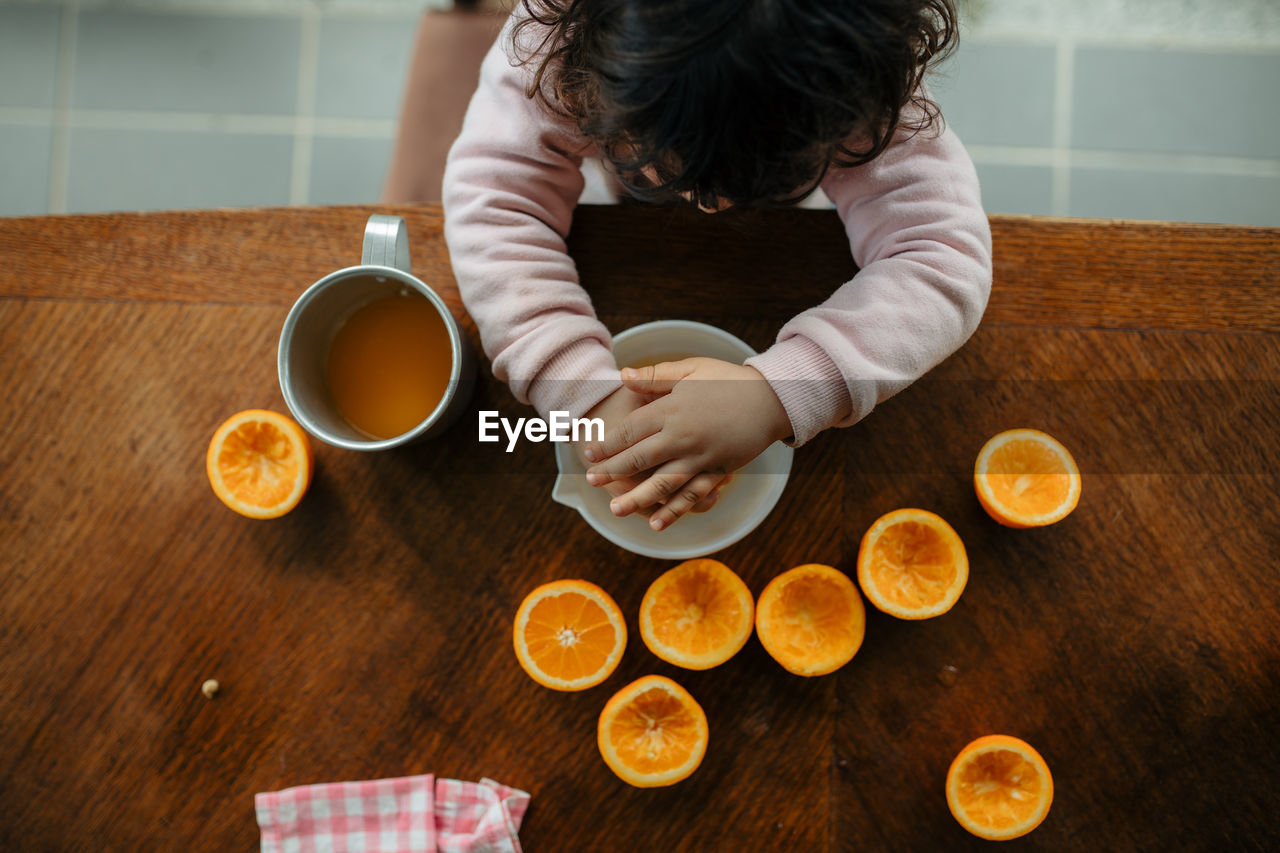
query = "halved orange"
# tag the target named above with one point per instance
(1026, 478)
(697, 615)
(912, 564)
(810, 619)
(999, 787)
(259, 463)
(652, 733)
(569, 635)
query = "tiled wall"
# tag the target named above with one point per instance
(1069, 129)
(183, 103)
(103, 108)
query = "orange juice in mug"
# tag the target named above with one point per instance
(370, 356)
(389, 364)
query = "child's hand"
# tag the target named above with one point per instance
(706, 419)
(612, 410)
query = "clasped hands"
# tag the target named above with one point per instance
(676, 431)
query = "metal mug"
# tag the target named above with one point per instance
(321, 310)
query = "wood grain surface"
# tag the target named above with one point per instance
(1136, 644)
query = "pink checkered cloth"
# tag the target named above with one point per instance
(411, 814)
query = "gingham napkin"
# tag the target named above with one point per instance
(410, 814)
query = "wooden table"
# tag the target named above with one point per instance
(367, 634)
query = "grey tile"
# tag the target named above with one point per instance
(1176, 102)
(187, 62)
(152, 170)
(408, 7)
(1175, 196)
(362, 65)
(1016, 189)
(24, 169)
(28, 55)
(348, 171)
(998, 94)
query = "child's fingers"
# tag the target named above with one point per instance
(628, 449)
(621, 487)
(713, 497)
(657, 378)
(638, 425)
(709, 501)
(664, 484)
(637, 459)
(688, 499)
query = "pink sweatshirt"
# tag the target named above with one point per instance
(913, 216)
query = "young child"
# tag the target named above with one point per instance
(716, 103)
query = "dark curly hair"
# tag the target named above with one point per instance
(736, 101)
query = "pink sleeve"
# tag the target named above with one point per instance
(922, 244)
(510, 187)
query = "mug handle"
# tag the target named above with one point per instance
(386, 242)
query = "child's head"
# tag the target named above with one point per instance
(738, 101)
